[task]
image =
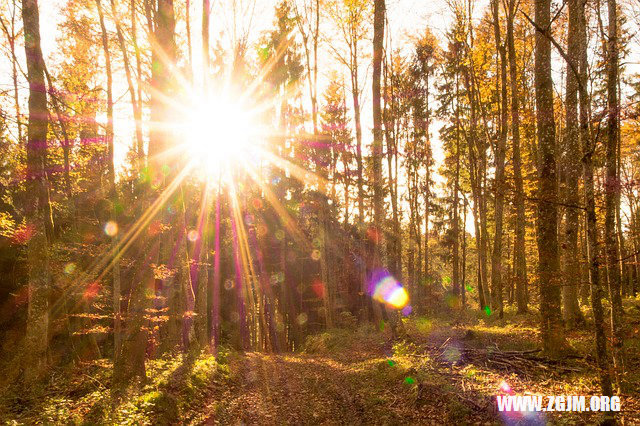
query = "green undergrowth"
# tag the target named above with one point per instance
(420, 372)
(176, 385)
(337, 340)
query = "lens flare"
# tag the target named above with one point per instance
(302, 319)
(193, 235)
(69, 268)
(384, 288)
(315, 255)
(111, 228)
(504, 387)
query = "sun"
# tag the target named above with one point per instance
(219, 132)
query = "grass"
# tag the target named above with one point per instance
(176, 384)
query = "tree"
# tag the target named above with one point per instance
(424, 63)
(11, 33)
(500, 148)
(550, 277)
(351, 18)
(132, 362)
(117, 338)
(38, 215)
(376, 149)
(612, 189)
(520, 260)
(572, 314)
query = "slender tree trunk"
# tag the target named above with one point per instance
(456, 189)
(117, 325)
(215, 296)
(553, 339)
(378, 190)
(464, 252)
(500, 152)
(355, 93)
(206, 56)
(612, 188)
(427, 189)
(390, 136)
(478, 156)
(597, 291)
(10, 33)
(132, 362)
(520, 262)
(572, 314)
(187, 20)
(38, 212)
(138, 110)
(127, 70)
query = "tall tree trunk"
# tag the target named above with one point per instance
(500, 152)
(520, 265)
(187, 20)
(456, 189)
(132, 362)
(612, 188)
(127, 70)
(553, 339)
(464, 252)
(478, 167)
(378, 190)
(206, 56)
(572, 314)
(427, 186)
(390, 136)
(38, 213)
(588, 149)
(138, 111)
(117, 326)
(355, 93)
(10, 33)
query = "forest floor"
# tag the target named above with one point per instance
(440, 372)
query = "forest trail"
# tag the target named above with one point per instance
(363, 386)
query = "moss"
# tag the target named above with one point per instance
(162, 407)
(203, 371)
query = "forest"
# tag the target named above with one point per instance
(319, 211)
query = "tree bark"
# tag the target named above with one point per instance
(456, 189)
(500, 152)
(520, 265)
(378, 190)
(553, 339)
(612, 189)
(572, 314)
(38, 214)
(117, 325)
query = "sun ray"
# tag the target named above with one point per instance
(287, 220)
(103, 264)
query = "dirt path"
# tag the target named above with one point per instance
(350, 387)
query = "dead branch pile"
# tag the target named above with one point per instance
(520, 362)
